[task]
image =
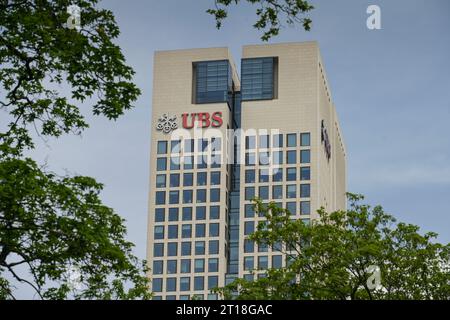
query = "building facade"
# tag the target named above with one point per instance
(220, 140)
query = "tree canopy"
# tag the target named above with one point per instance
(337, 255)
(51, 224)
(271, 14)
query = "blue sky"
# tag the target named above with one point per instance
(391, 88)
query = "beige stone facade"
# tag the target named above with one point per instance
(301, 105)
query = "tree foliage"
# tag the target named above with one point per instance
(271, 14)
(334, 257)
(49, 223)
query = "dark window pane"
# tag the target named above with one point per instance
(162, 147)
(305, 139)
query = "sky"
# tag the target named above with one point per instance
(391, 88)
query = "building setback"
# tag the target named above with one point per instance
(201, 186)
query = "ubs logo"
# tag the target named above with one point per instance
(167, 123)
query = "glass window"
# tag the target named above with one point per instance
(189, 145)
(161, 164)
(171, 266)
(185, 284)
(264, 158)
(264, 175)
(214, 195)
(184, 297)
(174, 197)
(213, 282)
(277, 175)
(249, 212)
(212, 296)
(174, 180)
(305, 207)
(291, 174)
(200, 213)
(264, 141)
(213, 247)
(187, 196)
(305, 139)
(187, 179)
(173, 214)
(291, 140)
(249, 193)
(277, 157)
(277, 262)
(157, 285)
(263, 247)
(213, 229)
(306, 221)
(263, 192)
(160, 197)
(249, 246)
(159, 215)
(216, 144)
(291, 157)
(249, 277)
(201, 195)
(172, 249)
(202, 162)
(215, 178)
(277, 192)
(291, 207)
(199, 265)
(185, 266)
(250, 142)
(216, 160)
(188, 162)
(201, 178)
(202, 145)
(172, 231)
(158, 249)
(157, 267)
(305, 173)
(159, 232)
(199, 247)
(263, 262)
(199, 283)
(186, 231)
(187, 213)
(200, 230)
(249, 263)
(214, 212)
(171, 284)
(174, 163)
(277, 140)
(212, 81)
(175, 146)
(305, 156)
(305, 190)
(249, 227)
(291, 191)
(258, 78)
(160, 180)
(213, 265)
(185, 248)
(162, 147)
(250, 159)
(249, 176)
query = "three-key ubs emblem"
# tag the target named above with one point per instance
(167, 123)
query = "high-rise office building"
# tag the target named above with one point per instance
(218, 141)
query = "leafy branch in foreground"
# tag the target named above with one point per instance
(333, 257)
(50, 224)
(271, 14)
